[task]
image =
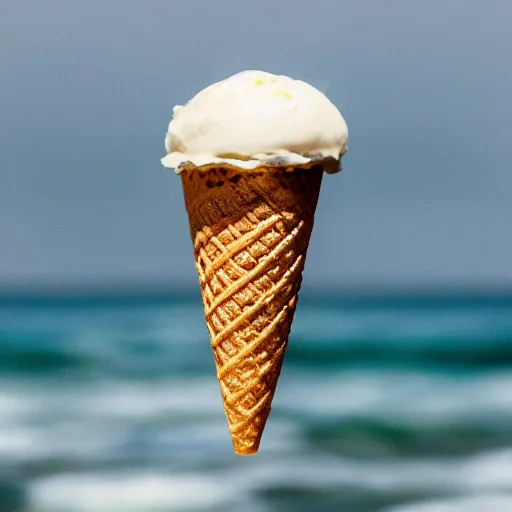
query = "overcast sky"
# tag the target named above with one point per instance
(87, 90)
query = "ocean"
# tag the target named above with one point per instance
(385, 404)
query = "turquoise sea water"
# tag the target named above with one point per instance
(389, 404)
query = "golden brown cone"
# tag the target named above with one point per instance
(250, 231)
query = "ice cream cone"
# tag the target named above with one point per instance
(250, 230)
(251, 151)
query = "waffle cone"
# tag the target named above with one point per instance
(250, 231)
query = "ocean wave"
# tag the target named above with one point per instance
(479, 503)
(364, 415)
(376, 406)
(161, 340)
(129, 492)
(428, 399)
(490, 471)
(168, 421)
(372, 437)
(488, 352)
(340, 338)
(37, 354)
(85, 343)
(254, 482)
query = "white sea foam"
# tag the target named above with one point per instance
(16, 403)
(402, 396)
(20, 442)
(105, 416)
(169, 420)
(74, 441)
(491, 503)
(489, 472)
(111, 399)
(129, 492)
(143, 400)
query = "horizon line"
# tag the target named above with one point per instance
(148, 290)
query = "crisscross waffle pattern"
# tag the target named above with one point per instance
(249, 260)
(250, 274)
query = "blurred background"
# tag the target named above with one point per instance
(396, 395)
